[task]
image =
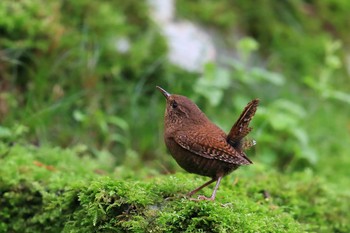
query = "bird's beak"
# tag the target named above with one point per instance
(164, 92)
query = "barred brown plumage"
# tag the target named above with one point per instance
(199, 146)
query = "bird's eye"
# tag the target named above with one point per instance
(174, 104)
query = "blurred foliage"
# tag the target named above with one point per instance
(292, 34)
(83, 73)
(79, 67)
(63, 190)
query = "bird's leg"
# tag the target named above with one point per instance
(212, 198)
(213, 195)
(199, 188)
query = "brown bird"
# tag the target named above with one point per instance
(199, 146)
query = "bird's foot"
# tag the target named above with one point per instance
(203, 198)
(190, 194)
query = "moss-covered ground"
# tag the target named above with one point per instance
(45, 189)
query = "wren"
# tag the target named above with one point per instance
(201, 147)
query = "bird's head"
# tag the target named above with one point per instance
(180, 109)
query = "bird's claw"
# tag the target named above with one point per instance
(202, 198)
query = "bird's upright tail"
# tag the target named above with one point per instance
(241, 128)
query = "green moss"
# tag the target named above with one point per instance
(57, 190)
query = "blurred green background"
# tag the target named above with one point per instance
(64, 83)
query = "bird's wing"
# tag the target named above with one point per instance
(210, 147)
(241, 128)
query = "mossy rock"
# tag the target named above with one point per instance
(56, 190)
